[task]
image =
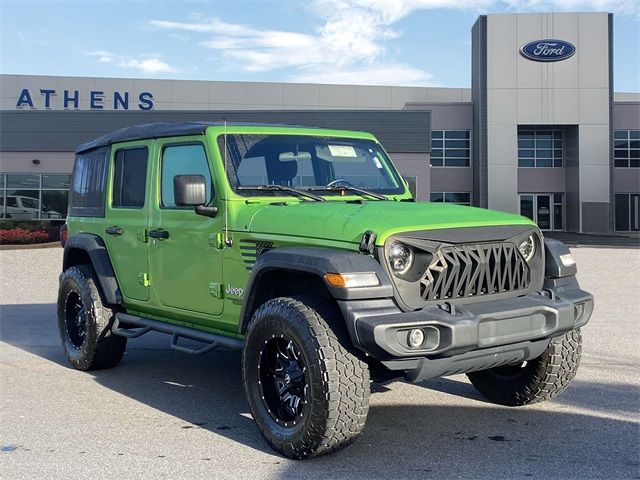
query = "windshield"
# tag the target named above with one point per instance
(307, 163)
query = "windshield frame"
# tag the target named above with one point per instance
(245, 190)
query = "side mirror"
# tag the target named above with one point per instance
(189, 190)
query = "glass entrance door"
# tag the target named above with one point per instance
(546, 209)
(543, 212)
(627, 208)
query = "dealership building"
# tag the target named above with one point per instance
(540, 132)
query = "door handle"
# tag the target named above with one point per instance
(159, 234)
(115, 230)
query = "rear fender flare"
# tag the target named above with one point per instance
(95, 248)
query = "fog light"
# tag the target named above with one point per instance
(416, 338)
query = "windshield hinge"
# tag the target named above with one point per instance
(368, 242)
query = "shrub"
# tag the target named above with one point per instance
(50, 227)
(22, 236)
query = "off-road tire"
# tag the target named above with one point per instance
(99, 348)
(338, 386)
(540, 379)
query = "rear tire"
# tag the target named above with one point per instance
(538, 380)
(84, 322)
(298, 349)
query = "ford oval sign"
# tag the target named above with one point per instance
(547, 50)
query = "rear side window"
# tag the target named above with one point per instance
(130, 178)
(88, 183)
(183, 160)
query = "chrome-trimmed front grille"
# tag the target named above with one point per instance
(461, 271)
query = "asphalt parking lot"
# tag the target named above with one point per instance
(163, 414)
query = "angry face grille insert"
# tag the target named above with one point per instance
(472, 270)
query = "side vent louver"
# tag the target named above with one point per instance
(251, 250)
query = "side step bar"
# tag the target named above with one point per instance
(144, 325)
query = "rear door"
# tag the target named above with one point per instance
(126, 218)
(187, 263)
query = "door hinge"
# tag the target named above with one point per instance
(216, 290)
(142, 236)
(216, 240)
(143, 279)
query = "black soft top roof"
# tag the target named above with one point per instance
(163, 129)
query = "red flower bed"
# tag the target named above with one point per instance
(21, 236)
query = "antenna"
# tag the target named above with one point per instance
(227, 241)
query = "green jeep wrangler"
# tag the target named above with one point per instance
(304, 248)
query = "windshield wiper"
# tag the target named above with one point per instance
(283, 188)
(350, 188)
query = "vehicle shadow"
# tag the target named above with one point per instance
(408, 437)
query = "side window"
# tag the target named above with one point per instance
(130, 178)
(183, 160)
(88, 183)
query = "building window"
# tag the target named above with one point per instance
(539, 147)
(460, 198)
(34, 196)
(450, 148)
(546, 209)
(627, 212)
(626, 148)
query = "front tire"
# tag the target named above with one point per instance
(84, 322)
(534, 381)
(307, 390)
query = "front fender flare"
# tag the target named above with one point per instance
(317, 261)
(554, 267)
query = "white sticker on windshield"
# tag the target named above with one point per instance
(342, 151)
(377, 162)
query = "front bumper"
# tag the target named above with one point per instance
(473, 336)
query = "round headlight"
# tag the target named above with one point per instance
(400, 258)
(528, 248)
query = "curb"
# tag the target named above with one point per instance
(33, 246)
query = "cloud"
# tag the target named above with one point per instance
(347, 47)
(180, 37)
(27, 38)
(350, 43)
(630, 8)
(148, 64)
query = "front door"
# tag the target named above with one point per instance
(186, 260)
(127, 214)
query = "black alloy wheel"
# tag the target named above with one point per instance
(283, 380)
(75, 320)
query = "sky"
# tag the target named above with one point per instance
(377, 42)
